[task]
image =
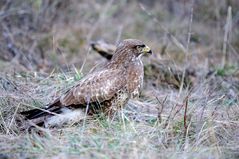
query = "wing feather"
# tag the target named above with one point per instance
(95, 87)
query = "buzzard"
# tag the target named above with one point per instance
(105, 89)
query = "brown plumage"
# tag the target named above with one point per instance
(106, 89)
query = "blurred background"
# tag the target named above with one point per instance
(41, 35)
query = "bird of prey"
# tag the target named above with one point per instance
(104, 90)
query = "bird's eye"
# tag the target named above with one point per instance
(138, 47)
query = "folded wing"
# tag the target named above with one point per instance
(95, 87)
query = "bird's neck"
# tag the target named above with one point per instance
(121, 58)
(123, 61)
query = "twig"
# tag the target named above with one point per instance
(185, 117)
(87, 54)
(162, 107)
(173, 116)
(187, 48)
(228, 28)
(168, 118)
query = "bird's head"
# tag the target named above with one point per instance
(134, 46)
(130, 49)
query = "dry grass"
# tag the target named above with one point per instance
(45, 49)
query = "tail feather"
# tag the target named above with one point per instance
(32, 111)
(47, 117)
(36, 113)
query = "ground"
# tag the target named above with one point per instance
(45, 48)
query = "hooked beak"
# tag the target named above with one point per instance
(147, 50)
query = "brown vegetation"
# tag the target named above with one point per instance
(188, 107)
